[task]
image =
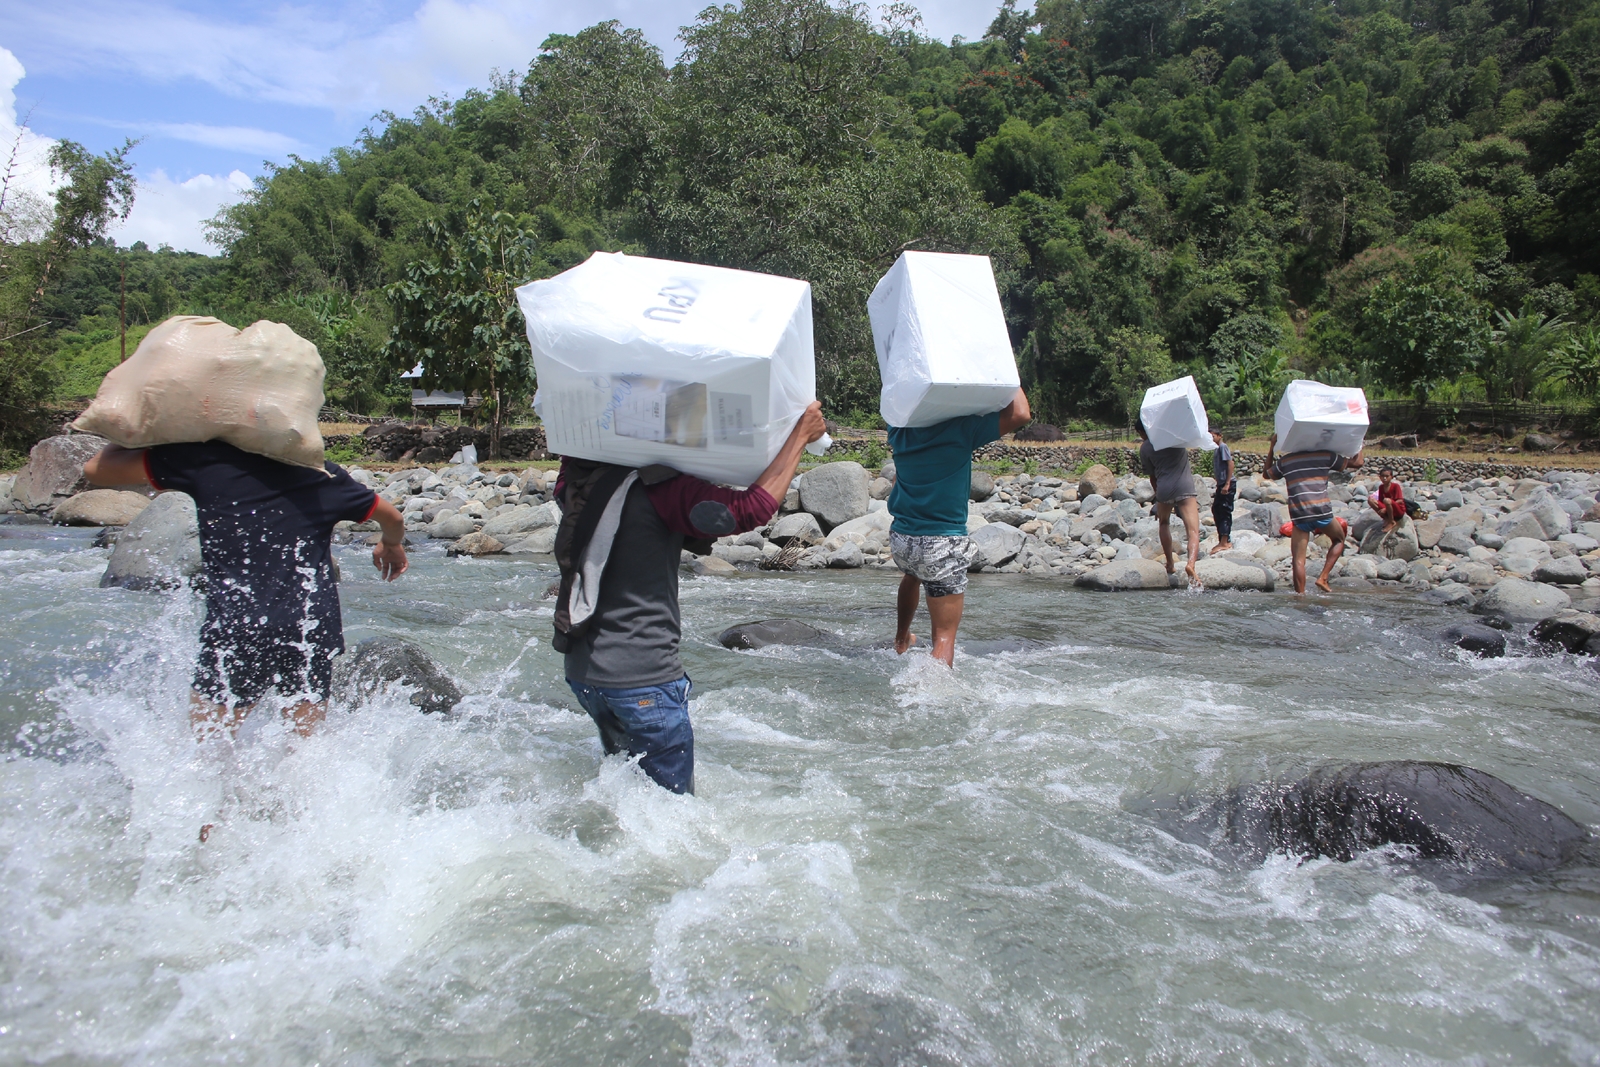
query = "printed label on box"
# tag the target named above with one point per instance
(731, 420)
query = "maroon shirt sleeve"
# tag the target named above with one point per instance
(675, 497)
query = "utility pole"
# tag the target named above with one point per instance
(122, 312)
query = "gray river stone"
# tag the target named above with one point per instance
(1227, 574)
(1568, 570)
(753, 635)
(1125, 575)
(54, 471)
(998, 543)
(159, 549)
(835, 492)
(1466, 818)
(1480, 640)
(798, 524)
(1514, 600)
(100, 507)
(1457, 539)
(380, 662)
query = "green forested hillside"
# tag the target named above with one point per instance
(1393, 193)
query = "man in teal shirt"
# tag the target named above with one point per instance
(933, 482)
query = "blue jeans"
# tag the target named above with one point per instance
(651, 722)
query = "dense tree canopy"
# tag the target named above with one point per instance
(1403, 194)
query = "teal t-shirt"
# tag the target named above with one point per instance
(933, 473)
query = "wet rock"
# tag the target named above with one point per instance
(54, 471)
(99, 507)
(1097, 480)
(1573, 631)
(998, 543)
(801, 525)
(835, 493)
(1351, 584)
(1227, 574)
(159, 549)
(753, 635)
(1124, 575)
(1568, 570)
(1466, 818)
(475, 544)
(1514, 600)
(1480, 640)
(381, 662)
(982, 485)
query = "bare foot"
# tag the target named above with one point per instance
(903, 644)
(1322, 584)
(1170, 568)
(1388, 526)
(1188, 568)
(1226, 546)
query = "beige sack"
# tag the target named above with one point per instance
(198, 379)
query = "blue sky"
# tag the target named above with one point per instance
(216, 90)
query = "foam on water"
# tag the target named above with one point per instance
(887, 862)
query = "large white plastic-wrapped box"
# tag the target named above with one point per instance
(643, 361)
(194, 379)
(1175, 417)
(1312, 416)
(943, 349)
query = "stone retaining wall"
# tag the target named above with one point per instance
(1407, 468)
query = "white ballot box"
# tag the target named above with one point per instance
(1312, 416)
(943, 349)
(1174, 416)
(643, 361)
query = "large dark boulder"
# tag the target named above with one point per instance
(159, 549)
(753, 635)
(1039, 431)
(380, 662)
(1466, 818)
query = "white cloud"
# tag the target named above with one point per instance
(168, 212)
(233, 138)
(26, 155)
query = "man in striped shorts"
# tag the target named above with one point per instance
(1305, 477)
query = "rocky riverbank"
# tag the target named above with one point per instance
(1517, 550)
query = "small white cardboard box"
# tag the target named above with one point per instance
(1175, 417)
(1312, 416)
(643, 361)
(943, 349)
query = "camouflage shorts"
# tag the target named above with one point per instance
(939, 563)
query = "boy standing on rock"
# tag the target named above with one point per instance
(1173, 481)
(933, 484)
(1227, 487)
(1305, 478)
(272, 603)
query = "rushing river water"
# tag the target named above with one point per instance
(888, 863)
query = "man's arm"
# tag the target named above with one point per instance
(1271, 468)
(780, 472)
(114, 465)
(1230, 470)
(389, 554)
(1015, 415)
(1354, 462)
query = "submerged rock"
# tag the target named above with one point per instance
(159, 549)
(1574, 631)
(383, 661)
(1445, 812)
(753, 635)
(1480, 640)
(1126, 574)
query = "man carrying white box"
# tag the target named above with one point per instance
(950, 387)
(1320, 426)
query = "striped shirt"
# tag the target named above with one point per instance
(1305, 478)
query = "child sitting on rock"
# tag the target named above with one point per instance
(272, 603)
(1389, 501)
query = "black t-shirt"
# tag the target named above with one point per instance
(265, 537)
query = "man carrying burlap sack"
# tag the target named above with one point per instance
(229, 417)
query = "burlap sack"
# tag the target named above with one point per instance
(199, 379)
